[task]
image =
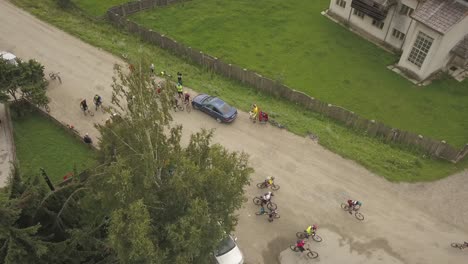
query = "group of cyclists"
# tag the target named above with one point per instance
(97, 100)
(311, 230)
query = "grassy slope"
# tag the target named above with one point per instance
(97, 7)
(393, 163)
(41, 143)
(292, 42)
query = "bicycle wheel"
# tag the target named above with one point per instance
(272, 206)
(188, 108)
(180, 107)
(359, 216)
(312, 254)
(300, 235)
(345, 206)
(257, 201)
(317, 238)
(46, 107)
(456, 245)
(261, 185)
(51, 76)
(275, 187)
(293, 248)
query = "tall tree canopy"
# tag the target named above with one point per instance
(24, 79)
(168, 203)
(152, 199)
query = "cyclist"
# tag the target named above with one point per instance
(300, 245)
(310, 231)
(269, 181)
(175, 103)
(254, 112)
(97, 101)
(180, 90)
(266, 197)
(271, 215)
(352, 205)
(187, 98)
(84, 106)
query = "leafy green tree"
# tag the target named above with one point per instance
(177, 201)
(23, 80)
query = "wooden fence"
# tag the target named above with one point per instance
(117, 16)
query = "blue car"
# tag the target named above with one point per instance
(215, 107)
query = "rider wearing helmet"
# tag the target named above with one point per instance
(269, 181)
(311, 230)
(186, 97)
(300, 245)
(266, 198)
(352, 205)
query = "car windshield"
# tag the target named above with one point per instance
(225, 246)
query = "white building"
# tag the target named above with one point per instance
(430, 34)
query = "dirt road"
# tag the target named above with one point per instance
(404, 223)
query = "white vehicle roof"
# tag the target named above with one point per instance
(233, 256)
(7, 55)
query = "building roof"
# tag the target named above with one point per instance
(441, 15)
(461, 49)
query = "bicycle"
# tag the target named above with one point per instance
(270, 205)
(55, 76)
(460, 245)
(357, 214)
(263, 185)
(311, 254)
(304, 234)
(188, 106)
(275, 213)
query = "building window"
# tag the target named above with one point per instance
(406, 10)
(358, 13)
(398, 34)
(420, 49)
(377, 23)
(341, 3)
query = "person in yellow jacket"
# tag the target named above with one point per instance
(254, 112)
(180, 90)
(310, 231)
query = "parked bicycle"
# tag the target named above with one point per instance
(264, 184)
(311, 254)
(357, 214)
(304, 234)
(270, 205)
(460, 245)
(55, 76)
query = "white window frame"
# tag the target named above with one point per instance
(341, 3)
(398, 34)
(420, 49)
(406, 10)
(359, 13)
(378, 24)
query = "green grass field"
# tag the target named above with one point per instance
(292, 42)
(41, 143)
(97, 7)
(393, 162)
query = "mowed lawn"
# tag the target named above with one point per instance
(41, 143)
(97, 7)
(292, 42)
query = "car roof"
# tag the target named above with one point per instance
(7, 55)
